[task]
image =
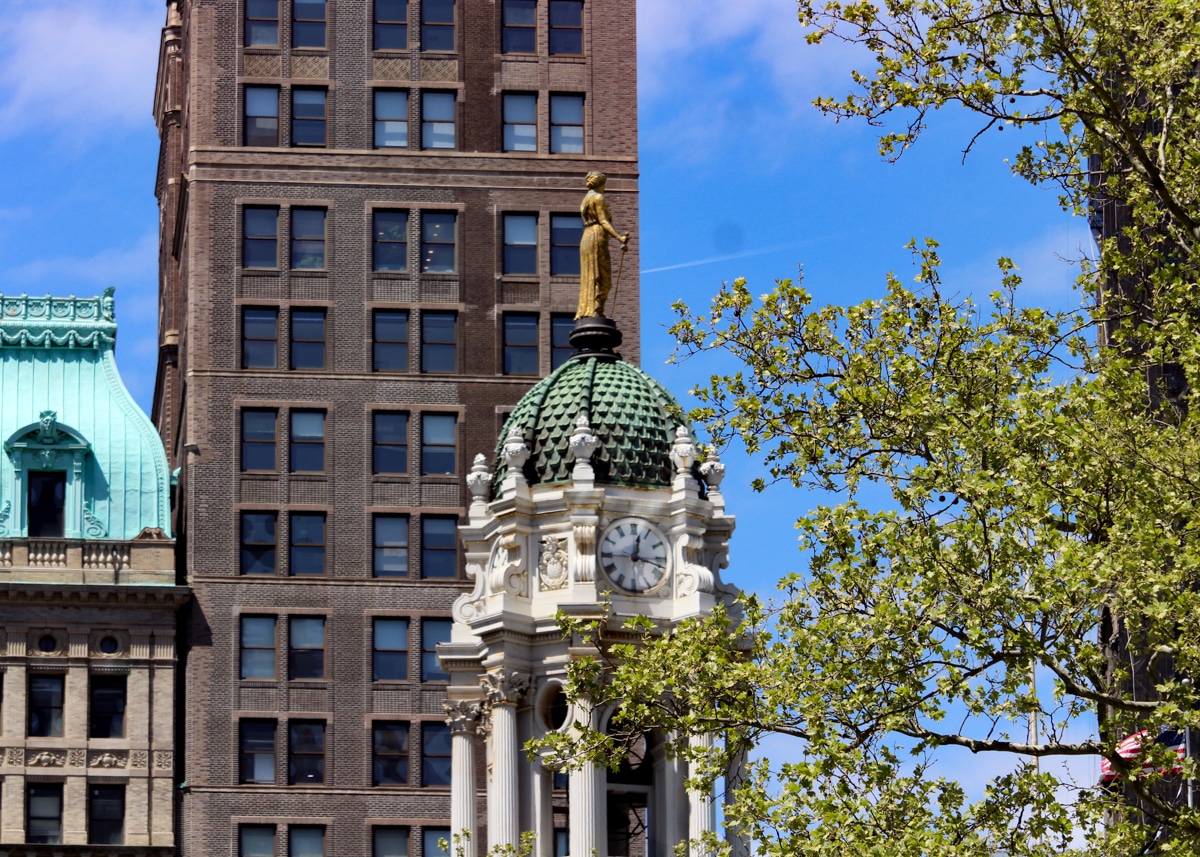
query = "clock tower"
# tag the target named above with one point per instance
(594, 505)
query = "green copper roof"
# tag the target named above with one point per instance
(631, 414)
(64, 408)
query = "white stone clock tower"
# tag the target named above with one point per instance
(594, 496)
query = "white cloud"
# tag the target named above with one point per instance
(109, 267)
(77, 69)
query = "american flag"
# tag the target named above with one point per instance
(1130, 747)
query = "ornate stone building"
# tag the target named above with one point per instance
(88, 593)
(369, 252)
(595, 507)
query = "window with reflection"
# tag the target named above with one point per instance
(43, 813)
(306, 752)
(308, 442)
(520, 344)
(391, 545)
(435, 842)
(520, 122)
(256, 840)
(439, 341)
(566, 231)
(256, 751)
(435, 754)
(433, 631)
(308, 117)
(437, 120)
(437, 25)
(106, 814)
(391, 25)
(561, 349)
(566, 124)
(520, 243)
(308, 238)
(106, 706)
(389, 842)
(261, 119)
(389, 442)
(566, 27)
(262, 23)
(258, 543)
(391, 119)
(46, 705)
(259, 440)
(389, 754)
(306, 651)
(438, 241)
(260, 338)
(439, 547)
(520, 27)
(439, 437)
(258, 647)
(389, 346)
(306, 840)
(308, 339)
(307, 550)
(390, 240)
(390, 656)
(260, 237)
(308, 23)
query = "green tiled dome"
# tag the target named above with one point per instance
(631, 414)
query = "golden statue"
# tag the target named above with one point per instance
(595, 264)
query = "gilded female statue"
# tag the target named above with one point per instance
(595, 264)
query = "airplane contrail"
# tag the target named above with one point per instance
(758, 252)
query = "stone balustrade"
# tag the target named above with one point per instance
(86, 561)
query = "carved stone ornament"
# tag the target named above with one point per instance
(683, 451)
(583, 443)
(469, 605)
(46, 759)
(76, 757)
(462, 714)
(479, 480)
(107, 760)
(5, 511)
(694, 575)
(585, 557)
(93, 527)
(15, 757)
(712, 470)
(553, 564)
(508, 572)
(46, 459)
(164, 760)
(505, 687)
(47, 430)
(138, 759)
(516, 452)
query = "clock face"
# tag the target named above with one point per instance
(634, 555)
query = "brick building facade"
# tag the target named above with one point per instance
(369, 231)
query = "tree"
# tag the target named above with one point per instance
(1017, 497)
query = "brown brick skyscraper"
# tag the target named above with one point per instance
(369, 250)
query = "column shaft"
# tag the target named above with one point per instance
(462, 791)
(504, 827)
(702, 809)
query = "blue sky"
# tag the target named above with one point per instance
(740, 177)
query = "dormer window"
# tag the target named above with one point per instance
(47, 499)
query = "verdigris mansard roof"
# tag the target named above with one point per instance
(63, 403)
(632, 415)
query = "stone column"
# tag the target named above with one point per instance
(735, 778)
(504, 689)
(584, 796)
(702, 810)
(462, 715)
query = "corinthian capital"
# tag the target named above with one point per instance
(505, 687)
(461, 714)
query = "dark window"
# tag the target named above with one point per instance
(308, 23)
(258, 542)
(437, 241)
(256, 751)
(391, 546)
(308, 338)
(258, 440)
(262, 23)
(260, 237)
(308, 117)
(256, 840)
(306, 656)
(439, 546)
(106, 708)
(566, 231)
(433, 631)
(308, 543)
(44, 813)
(520, 243)
(262, 116)
(562, 842)
(391, 25)
(106, 815)
(46, 706)
(566, 124)
(306, 841)
(391, 650)
(389, 754)
(389, 443)
(520, 122)
(390, 346)
(308, 442)
(308, 238)
(390, 246)
(561, 349)
(437, 119)
(438, 441)
(435, 754)
(306, 752)
(520, 344)
(437, 25)
(438, 341)
(389, 842)
(391, 119)
(47, 496)
(260, 335)
(566, 26)
(432, 842)
(520, 27)
(258, 647)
